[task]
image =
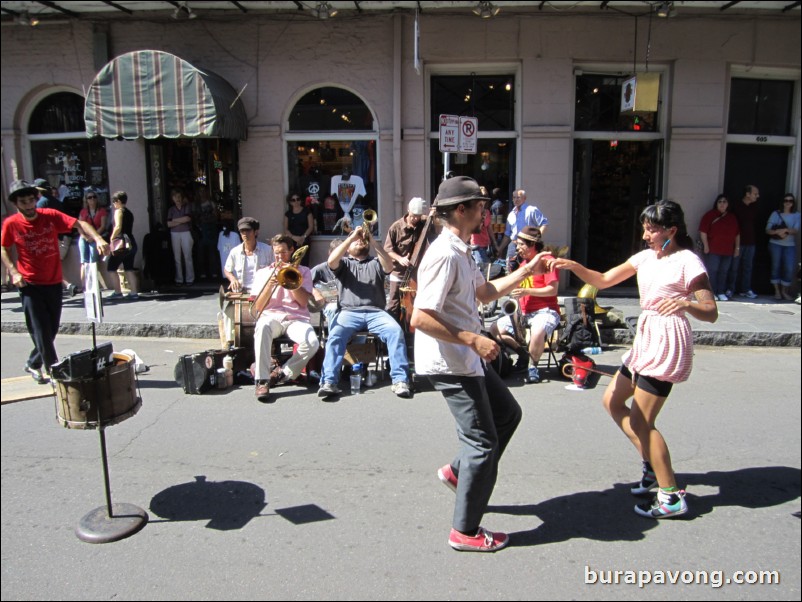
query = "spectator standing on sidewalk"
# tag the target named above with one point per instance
(37, 274)
(123, 225)
(99, 218)
(721, 238)
(520, 216)
(179, 220)
(451, 351)
(740, 278)
(782, 227)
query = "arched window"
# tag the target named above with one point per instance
(61, 153)
(331, 157)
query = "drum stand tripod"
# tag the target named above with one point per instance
(111, 522)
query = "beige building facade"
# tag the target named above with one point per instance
(557, 131)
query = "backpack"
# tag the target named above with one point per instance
(579, 331)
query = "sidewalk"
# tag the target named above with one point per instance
(192, 313)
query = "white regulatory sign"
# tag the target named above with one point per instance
(468, 130)
(449, 133)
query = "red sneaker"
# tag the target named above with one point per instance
(483, 541)
(447, 477)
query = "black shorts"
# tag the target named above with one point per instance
(650, 384)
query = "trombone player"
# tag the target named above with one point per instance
(288, 289)
(538, 309)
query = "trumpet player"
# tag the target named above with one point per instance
(360, 285)
(538, 308)
(286, 313)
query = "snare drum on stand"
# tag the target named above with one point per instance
(90, 403)
(95, 389)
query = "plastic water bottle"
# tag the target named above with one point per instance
(356, 379)
(592, 350)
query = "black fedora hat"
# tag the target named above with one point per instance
(459, 189)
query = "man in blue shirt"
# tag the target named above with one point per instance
(519, 217)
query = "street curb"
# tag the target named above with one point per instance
(616, 336)
(622, 336)
(177, 331)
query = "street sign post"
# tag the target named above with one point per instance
(468, 130)
(449, 133)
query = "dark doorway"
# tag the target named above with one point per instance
(613, 182)
(493, 166)
(767, 168)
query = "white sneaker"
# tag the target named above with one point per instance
(748, 294)
(723, 298)
(728, 293)
(402, 389)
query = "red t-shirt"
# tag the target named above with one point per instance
(530, 303)
(38, 259)
(721, 232)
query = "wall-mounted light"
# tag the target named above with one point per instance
(486, 10)
(183, 12)
(324, 10)
(27, 20)
(666, 9)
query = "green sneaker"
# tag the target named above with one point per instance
(665, 505)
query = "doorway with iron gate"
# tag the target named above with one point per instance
(613, 182)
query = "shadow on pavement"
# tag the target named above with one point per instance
(607, 515)
(226, 505)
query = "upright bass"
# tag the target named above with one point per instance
(409, 285)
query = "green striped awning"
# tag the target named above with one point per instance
(152, 94)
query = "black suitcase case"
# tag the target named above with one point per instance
(197, 373)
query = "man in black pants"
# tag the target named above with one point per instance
(37, 274)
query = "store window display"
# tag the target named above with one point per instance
(69, 164)
(335, 173)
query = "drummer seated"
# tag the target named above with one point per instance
(241, 265)
(286, 313)
(360, 284)
(245, 259)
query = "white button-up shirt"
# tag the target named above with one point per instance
(447, 281)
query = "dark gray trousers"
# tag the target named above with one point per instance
(487, 416)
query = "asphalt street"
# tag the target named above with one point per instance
(302, 499)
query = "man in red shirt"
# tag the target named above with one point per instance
(37, 274)
(539, 310)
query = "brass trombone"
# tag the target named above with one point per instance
(287, 276)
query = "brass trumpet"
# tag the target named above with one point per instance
(288, 277)
(369, 217)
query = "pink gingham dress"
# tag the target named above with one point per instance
(663, 345)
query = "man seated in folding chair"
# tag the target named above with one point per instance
(360, 284)
(538, 310)
(285, 312)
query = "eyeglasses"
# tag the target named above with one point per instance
(245, 231)
(294, 199)
(91, 196)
